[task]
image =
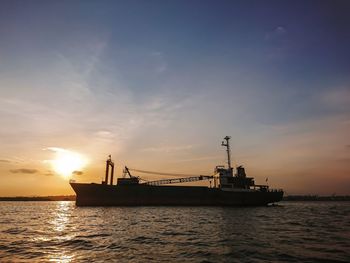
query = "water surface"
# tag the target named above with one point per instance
(62, 232)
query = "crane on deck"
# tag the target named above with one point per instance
(180, 180)
(191, 178)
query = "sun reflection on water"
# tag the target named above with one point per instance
(61, 258)
(61, 222)
(61, 216)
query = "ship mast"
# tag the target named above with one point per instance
(109, 163)
(227, 144)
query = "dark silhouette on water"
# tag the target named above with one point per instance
(229, 189)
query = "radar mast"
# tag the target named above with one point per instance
(228, 150)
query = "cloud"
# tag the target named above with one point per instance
(105, 136)
(214, 157)
(55, 149)
(49, 173)
(276, 33)
(168, 149)
(24, 171)
(78, 172)
(4, 161)
(280, 30)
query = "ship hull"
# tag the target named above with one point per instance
(147, 195)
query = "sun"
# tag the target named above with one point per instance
(66, 162)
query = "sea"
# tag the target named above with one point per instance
(287, 232)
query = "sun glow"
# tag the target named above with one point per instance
(66, 162)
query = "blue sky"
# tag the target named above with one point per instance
(159, 83)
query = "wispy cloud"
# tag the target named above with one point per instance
(56, 149)
(280, 30)
(49, 173)
(78, 172)
(204, 158)
(24, 171)
(275, 33)
(168, 148)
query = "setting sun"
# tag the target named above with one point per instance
(66, 162)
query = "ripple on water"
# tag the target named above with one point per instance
(61, 232)
(14, 230)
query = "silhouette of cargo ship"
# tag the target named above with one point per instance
(226, 189)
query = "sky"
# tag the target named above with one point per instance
(158, 84)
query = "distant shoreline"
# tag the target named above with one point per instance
(39, 198)
(316, 198)
(72, 198)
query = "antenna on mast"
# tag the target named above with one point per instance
(227, 144)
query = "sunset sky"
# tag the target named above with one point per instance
(158, 84)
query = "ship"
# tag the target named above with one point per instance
(228, 187)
